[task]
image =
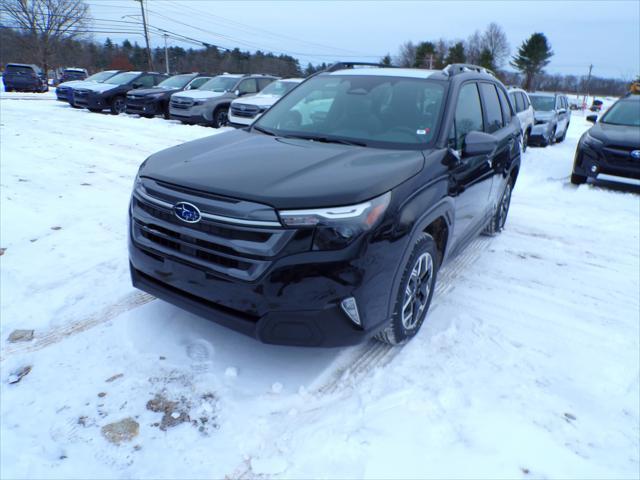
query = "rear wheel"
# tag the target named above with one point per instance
(578, 179)
(414, 293)
(496, 225)
(118, 105)
(220, 117)
(525, 140)
(165, 112)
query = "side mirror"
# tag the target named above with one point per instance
(137, 85)
(238, 93)
(592, 118)
(562, 110)
(188, 87)
(478, 143)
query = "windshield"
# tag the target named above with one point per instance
(278, 88)
(377, 111)
(177, 81)
(624, 112)
(219, 84)
(18, 69)
(100, 76)
(122, 78)
(542, 102)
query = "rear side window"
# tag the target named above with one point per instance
(468, 117)
(504, 104)
(520, 105)
(146, 81)
(526, 101)
(493, 111)
(19, 69)
(514, 100)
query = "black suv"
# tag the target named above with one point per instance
(149, 102)
(612, 145)
(111, 94)
(24, 78)
(326, 221)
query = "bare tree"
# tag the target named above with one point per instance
(474, 46)
(406, 55)
(495, 41)
(46, 23)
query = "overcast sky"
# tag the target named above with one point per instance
(605, 33)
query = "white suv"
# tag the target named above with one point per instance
(244, 111)
(522, 105)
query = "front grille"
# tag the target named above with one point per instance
(619, 154)
(81, 97)
(181, 103)
(240, 251)
(246, 111)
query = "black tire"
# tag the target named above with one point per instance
(578, 179)
(564, 135)
(165, 112)
(118, 105)
(552, 138)
(525, 141)
(415, 292)
(220, 118)
(94, 110)
(499, 218)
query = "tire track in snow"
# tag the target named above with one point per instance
(355, 366)
(58, 334)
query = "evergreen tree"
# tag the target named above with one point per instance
(486, 59)
(533, 55)
(425, 55)
(456, 54)
(386, 60)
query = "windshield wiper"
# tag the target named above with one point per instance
(319, 138)
(263, 130)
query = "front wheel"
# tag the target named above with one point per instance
(499, 218)
(578, 179)
(525, 141)
(220, 117)
(118, 105)
(414, 293)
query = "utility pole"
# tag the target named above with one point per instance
(146, 35)
(588, 84)
(166, 53)
(431, 61)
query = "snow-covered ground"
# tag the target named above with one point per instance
(528, 367)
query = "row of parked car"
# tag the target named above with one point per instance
(192, 98)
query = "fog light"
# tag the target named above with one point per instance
(350, 307)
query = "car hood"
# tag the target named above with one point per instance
(200, 94)
(75, 83)
(619, 135)
(259, 100)
(100, 87)
(143, 92)
(283, 173)
(544, 116)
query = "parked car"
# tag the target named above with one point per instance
(596, 105)
(612, 145)
(244, 111)
(22, 77)
(209, 105)
(63, 91)
(70, 74)
(112, 93)
(552, 118)
(149, 102)
(520, 101)
(328, 226)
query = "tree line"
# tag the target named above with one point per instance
(54, 34)
(490, 49)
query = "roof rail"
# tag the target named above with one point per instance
(456, 68)
(344, 65)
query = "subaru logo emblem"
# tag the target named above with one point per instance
(635, 154)
(243, 108)
(187, 212)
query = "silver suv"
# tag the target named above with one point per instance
(209, 105)
(552, 117)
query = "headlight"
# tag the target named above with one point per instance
(264, 108)
(337, 227)
(199, 102)
(592, 142)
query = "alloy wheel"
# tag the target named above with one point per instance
(417, 291)
(119, 105)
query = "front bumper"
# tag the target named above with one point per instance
(591, 162)
(63, 95)
(194, 114)
(143, 106)
(541, 133)
(90, 100)
(265, 282)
